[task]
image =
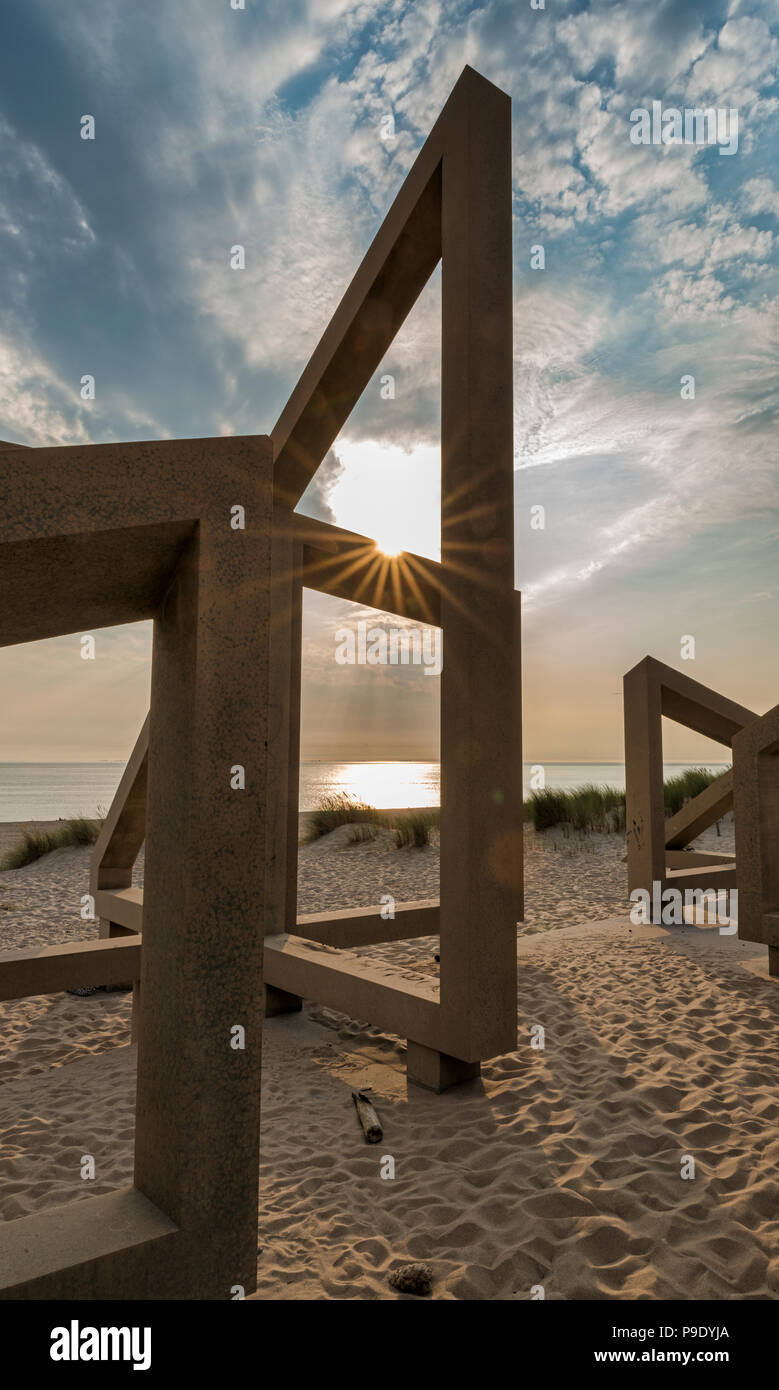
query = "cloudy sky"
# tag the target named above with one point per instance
(265, 127)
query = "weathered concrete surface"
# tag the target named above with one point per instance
(71, 965)
(455, 205)
(652, 691)
(756, 806)
(103, 534)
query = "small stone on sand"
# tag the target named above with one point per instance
(417, 1279)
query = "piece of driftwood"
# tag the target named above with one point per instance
(367, 1117)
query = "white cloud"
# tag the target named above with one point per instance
(761, 195)
(650, 46)
(304, 186)
(733, 70)
(716, 239)
(36, 406)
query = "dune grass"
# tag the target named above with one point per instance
(339, 809)
(587, 808)
(77, 830)
(413, 829)
(591, 808)
(687, 785)
(362, 833)
(410, 827)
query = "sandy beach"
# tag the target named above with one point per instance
(561, 1167)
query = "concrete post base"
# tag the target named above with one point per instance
(437, 1071)
(280, 1001)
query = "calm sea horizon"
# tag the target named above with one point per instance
(48, 791)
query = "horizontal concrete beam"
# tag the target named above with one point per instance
(123, 906)
(364, 926)
(358, 988)
(74, 965)
(358, 926)
(58, 1253)
(691, 859)
(350, 566)
(713, 877)
(696, 706)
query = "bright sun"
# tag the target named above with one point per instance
(389, 494)
(389, 546)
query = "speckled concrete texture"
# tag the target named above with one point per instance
(756, 805)
(104, 534)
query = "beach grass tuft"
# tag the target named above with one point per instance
(413, 830)
(591, 808)
(341, 808)
(77, 830)
(688, 784)
(362, 834)
(410, 827)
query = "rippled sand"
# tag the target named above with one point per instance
(561, 1167)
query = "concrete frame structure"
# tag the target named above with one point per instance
(756, 806)
(106, 534)
(751, 790)
(90, 537)
(655, 846)
(454, 206)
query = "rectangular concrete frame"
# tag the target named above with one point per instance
(91, 537)
(756, 803)
(454, 206)
(654, 846)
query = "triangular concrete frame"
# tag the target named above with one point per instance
(454, 206)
